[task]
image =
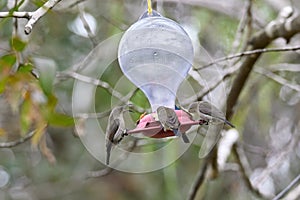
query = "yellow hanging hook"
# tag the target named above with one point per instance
(149, 7)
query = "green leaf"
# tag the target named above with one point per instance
(39, 3)
(25, 116)
(51, 104)
(17, 44)
(3, 82)
(47, 70)
(39, 132)
(61, 120)
(7, 61)
(16, 7)
(24, 68)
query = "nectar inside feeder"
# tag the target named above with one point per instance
(155, 54)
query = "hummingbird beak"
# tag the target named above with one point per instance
(141, 116)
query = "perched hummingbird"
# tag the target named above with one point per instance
(169, 121)
(116, 129)
(203, 110)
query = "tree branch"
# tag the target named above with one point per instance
(104, 85)
(200, 178)
(87, 27)
(32, 17)
(107, 170)
(208, 170)
(288, 188)
(36, 15)
(16, 14)
(198, 96)
(245, 168)
(232, 70)
(244, 29)
(76, 3)
(277, 78)
(17, 142)
(285, 26)
(249, 53)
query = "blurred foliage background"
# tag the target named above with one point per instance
(53, 165)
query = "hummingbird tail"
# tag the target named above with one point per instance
(228, 123)
(177, 132)
(185, 138)
(108, 150)
(107, 158)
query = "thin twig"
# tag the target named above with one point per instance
(249, 53)
(288, 188)
(294, 194)
(255, 149)
(103, 84)
(106, 113)
(32, 17)
(87, 27)
(198, 96)
(248, 24)
(210, 163)
(285, 67)
(108, 170)
(17, 142)
(200, 178)
(246, 21)
(239, 32)
(92, 115)
(245, 168)
(246, 171)
(36, 15)
(18, 54)
(99, 173)
(285, 26)
(279, 158)
(76, 3)
(90, 80)
(277, 78)
(119, 25)
(16, 14)
(229, 8)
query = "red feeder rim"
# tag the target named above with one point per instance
(151, 128)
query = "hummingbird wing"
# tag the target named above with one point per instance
(185, 138)
(174, 124)
(172, 119)
(111, 131)
(168, 118)
(211, 137)
(210, 110)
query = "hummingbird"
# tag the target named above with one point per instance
(115, 130)
(203, 110)
(169, 121)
